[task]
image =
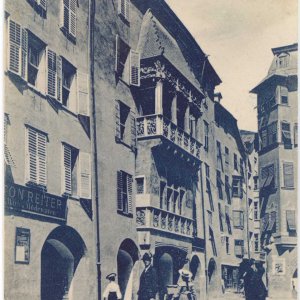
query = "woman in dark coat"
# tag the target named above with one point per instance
(258, 284)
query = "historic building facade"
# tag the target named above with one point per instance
(277, 105)
(225, 205)
(49, 245)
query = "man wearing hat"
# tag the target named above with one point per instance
(112, 291)
(148, 280)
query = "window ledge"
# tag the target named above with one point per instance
(36, 186)
(35, 90)
(69, 36)
(125, 214)
(287, 188)
(120, 141)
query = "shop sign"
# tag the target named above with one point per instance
(29, 200)
(22, 246)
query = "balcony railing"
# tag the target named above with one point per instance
(158, 125)
(159, 219)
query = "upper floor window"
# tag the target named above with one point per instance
(242, 167)
(282, 60)
(256, 242)
(40, 6)
(36, 157)
(125, 124)
(68, 85)
(291, 220)
(226, 159)
(140, 185)
(256, 210)
(239, 247)
(267, 175)
(237, 190)
(284, 94)
(286, 134)
(219, 156)
(124, 193)
(206, 133)
(68, 17)
(220, 217)
(219, 185)
(255, 179)
(235, 162)
(288, 174)
(296, 134)
(238, 219)
(123, 8)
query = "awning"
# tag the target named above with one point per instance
(291, 220)
(268, 181)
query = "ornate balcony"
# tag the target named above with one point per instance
(155, 218)
(158, 125)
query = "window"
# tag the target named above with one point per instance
(284, 95)
(238, 219)
(17, 49)
(219, 156)
(267, 174)
(242, 167)
(291, 220)
(227, 244)
(256, 242)
(134, 68)
(282, 60)
(227, 219)
(124, 193)
(239, 247)
(40, 6)
(54, 65)
(140, 185)
(208, 188)
(288, 174)
(237, 190)
(206, 133)
(227, 189)
(272, 133)
(286, 133)
(226, 159)
(220, 217)
(125, 124)
(255, 178)
(255, 210)
(36, 157)
(123, 8)
(296, 134)
(235, 162)
(209, 217)
(219, 185)
(68, 85)
(68, 17)
(264, 138)
(69, 169)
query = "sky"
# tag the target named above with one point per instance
(238, 36)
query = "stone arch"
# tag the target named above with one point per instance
(128, 255)
(211, 270)
(60, 256)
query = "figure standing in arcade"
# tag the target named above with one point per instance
(148, 281)
(112, 291)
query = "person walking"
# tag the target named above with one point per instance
(248, 278)
(260, 288)
(112, 290)
(148, 280)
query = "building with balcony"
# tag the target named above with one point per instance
(152, 85)
(49, 248)
(224, 199)
(277, 105)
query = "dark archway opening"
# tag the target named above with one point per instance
(60, 256)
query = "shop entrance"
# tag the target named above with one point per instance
(61, 254)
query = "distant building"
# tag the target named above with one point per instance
(277, 105)
(49, 245)
(224, 192)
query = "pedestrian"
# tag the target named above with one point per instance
(260, 288)
(148, 280)
(248, 277)
(112, 291)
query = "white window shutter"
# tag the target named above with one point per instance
(14, 55)
(59, 78)
(134, 68)
(24, 54)
(117, 58)
(72, 17)
(83, 93)
(51, 74)
(42, 159)
(288, 174)
(31, 156)
(42, 4)
(85, 175)
(119, 191)
(66, 169)
(129, 193)
(127, 8)
(64, 14)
